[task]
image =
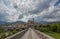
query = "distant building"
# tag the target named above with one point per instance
(22, 25)
(8, 27)
(31, 23)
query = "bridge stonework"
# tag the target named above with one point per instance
(17, 35)
(43, 35)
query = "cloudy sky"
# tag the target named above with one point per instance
(40, 10)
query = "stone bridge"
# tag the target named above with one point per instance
(30, 34)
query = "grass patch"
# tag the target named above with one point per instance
(53, 34)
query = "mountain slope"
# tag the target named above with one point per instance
(21, 22)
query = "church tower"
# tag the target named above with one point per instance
(33, 21)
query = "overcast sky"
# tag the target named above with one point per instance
(40, 10)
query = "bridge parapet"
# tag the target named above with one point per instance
(43, 35)
(17, 35)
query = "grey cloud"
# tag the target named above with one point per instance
(21, 16)
(18, 9)
(3, 16)
(40, 7)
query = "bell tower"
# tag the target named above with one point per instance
(33, 21)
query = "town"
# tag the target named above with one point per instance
(29, 19)
(31, 27)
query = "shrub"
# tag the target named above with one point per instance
(54, 28)
(3, 36)
(14, 31)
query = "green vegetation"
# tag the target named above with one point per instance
(2, 30)
(5, 33)
(53, 34)
(52, 29)
(55, 27)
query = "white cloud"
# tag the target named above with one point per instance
(41, 10)
(51, 14)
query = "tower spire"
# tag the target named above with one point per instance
(33, 20)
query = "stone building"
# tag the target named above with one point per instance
(31, 23)
(22, 25)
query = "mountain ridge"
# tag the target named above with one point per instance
(2, 22)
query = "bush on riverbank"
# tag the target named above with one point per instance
(54, 27)
(50, 29)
